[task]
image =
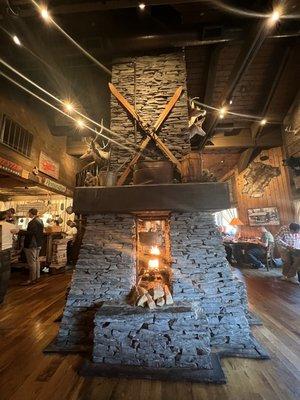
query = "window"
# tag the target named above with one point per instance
(15, 136)
(223, 219)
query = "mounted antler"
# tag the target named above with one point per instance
(94, 151)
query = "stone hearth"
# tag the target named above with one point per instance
(208, 315)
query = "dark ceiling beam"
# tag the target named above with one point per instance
(256, 127)
(92, 6)
(211, 73)
(244, 140)
(252, 44)
(293, 111)
(106, 48)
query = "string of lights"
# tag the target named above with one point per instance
(277, 12)
(47, 18)
(272, 18)
(223, 112)
(67, 105)
(80, 123)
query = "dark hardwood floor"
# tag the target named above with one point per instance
(27, 326)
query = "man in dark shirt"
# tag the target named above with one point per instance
(32, 245)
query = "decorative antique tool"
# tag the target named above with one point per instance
(151, 133)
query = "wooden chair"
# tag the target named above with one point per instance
(270, 256)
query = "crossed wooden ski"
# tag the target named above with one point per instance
(151, 133)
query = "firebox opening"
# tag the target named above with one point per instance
(153, 261)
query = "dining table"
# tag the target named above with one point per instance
(237, 250)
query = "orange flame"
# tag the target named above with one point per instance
(153, 263)
(155, 251)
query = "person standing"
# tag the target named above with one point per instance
(7, 230)
(288, 242)
(33, 244)
(8, 215)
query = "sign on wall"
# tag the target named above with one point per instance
(263, 216)
(22, 208)
(48, 166)
(10, 166)
(54, 185)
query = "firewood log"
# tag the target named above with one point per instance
(142, 301)
(150, 302)
(160, 302)
(169, 298)
(158, 292)
(141, 290)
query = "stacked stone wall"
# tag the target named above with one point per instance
(203, 275)
(171, 337)
(149, 82)
(202, 279)
(105, 271)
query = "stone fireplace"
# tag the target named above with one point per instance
(152, 288)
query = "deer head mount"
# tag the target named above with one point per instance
(96, 152)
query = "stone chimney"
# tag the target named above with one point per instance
(148, 83)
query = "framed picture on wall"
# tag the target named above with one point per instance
(263, 216)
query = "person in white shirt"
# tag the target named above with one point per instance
(7, 231)
(288, 242)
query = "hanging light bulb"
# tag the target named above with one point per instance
(45, 13)
(16, 40)
(222, 112)
(142, 6)
(263, 122)
(275, 16)
(68, 106)
(80, 123)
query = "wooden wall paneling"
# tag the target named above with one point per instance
(277, 194)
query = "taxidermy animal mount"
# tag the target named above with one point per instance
(196, 118)
(95, 152)
(257, 177)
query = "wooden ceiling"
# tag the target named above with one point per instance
(214, 40)
(17, 187)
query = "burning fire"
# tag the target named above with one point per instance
(155, 251)
(153, 263)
